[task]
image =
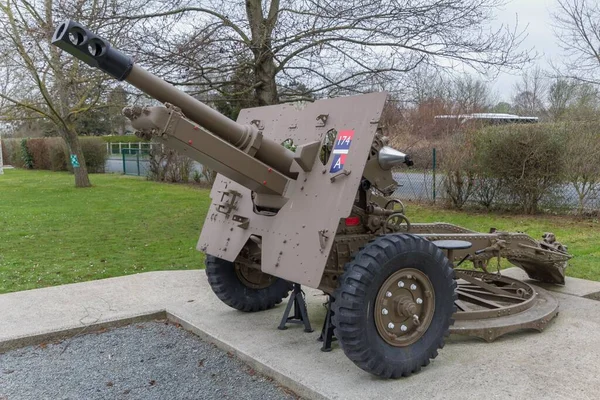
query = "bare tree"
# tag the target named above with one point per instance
(531, 93)
(318, 48)
(577, 29)
(586, 105)
(561, 95)
(573, 100)
(46, 83)
(502, 107)
(116, 100)
(470, 95)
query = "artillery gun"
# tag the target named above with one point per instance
(323, 216)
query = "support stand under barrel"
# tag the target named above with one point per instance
(300, 313)
(327, 331)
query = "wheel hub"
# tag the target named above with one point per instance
(404, 307)
(253, 278)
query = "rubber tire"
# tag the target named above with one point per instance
(355, 296)
(230, 290)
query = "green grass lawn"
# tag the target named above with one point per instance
(52, 233)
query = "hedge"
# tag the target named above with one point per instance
(52, 153)
(121, 139)
(520, 167)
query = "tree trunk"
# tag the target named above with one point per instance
(76, 158)
(67, 130)
(264, 65)
(266, 91)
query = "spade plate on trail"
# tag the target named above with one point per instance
(492, 305)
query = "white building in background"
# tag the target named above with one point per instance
(489, 118)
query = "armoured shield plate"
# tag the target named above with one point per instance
(296, 242)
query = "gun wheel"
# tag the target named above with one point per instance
(394, 305)
(244, 288)
(252, 277)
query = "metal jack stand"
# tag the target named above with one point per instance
(327, 331)
(300, 313)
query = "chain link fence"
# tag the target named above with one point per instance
(428, 185)
(425, 184)
(135, 162)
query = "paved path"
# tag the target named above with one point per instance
(560, 363)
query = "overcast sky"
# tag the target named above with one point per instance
(536, 14)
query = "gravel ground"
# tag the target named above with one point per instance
(152, 360)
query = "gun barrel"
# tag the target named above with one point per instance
(97, 52)
(195, 110)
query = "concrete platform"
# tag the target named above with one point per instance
(560, 363)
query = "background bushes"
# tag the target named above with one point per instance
(52, 153)
(521, 167)
(166, 165)
(122, 139)
(460, 170)
(11, 153)
(94, 151)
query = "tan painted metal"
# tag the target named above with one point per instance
(297, 241)
(240, 135)
(179, 133)
(491, 305)
(404, 307)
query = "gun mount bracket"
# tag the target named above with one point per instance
(322, 120)
(343, 173)
(254, 143)
(174, 116)
(229, 199)
(244, 221)
(258, 123)
(323, 238)
(306, 154)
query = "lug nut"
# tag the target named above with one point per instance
(403, 328)
(419, 301)
(400, 284)
(388, 294)
(416, 320)
(413, 287)
(391, 325)
(384, 311)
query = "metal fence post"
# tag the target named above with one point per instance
(137, 153)
(434, 181)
